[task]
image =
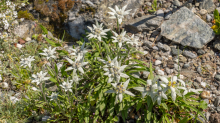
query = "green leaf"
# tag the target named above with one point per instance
(107, 48)
(43, 29)
(184, 120)
(151, 75)
(53, 79)
(50, 71)
(62, 52)
(139, 105)
(50, 42)
(216, 14)
(164, 106)
(203, 105)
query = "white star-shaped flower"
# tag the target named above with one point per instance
(97, 31)
(119, 38)
(39, 77)
(118, 13)
(67, 85)
(49, 53)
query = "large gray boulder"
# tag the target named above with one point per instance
(144, 24)
(188, 29)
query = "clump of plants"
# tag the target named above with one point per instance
(216, 21)
(95, 82)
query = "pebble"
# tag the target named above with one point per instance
(177, 68)
(189, 54)
(217, 77)
(208, 18)
(218, 109)
(160, 12)
(203, 12)
(205, 95)
(166, 48)
(199, 79)
(160, 72)
(168, 70)
(177, 3)
(175, 51)
(167, 16)
(139, 14)
(157, 62)
(201, 52)
(217, 101)
(207, 115)
(196, 85)
(199, 70)
(203, 84)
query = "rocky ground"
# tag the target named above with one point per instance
(177, 38)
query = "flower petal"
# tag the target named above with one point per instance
(129, 93)
(164, 79)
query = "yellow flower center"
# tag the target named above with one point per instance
(172, 83)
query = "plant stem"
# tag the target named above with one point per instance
(100, 49)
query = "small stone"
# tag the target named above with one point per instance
(189, 54)
(206, 100)
(200, 120)
(199, 70)
(160, 45)
(196, 85)
(139, 14)
(203, 84)
(21, 41)
(157, 62)
(44, 118)
(177, 3)
(155, 48)
(4, 85)
(217, 77)
(218, 109)
(203, 12)
(207, 5)
(205, 95)
(167, 16)
(166, 48)
(169, 71)
(186, 65)
(176, 51)
(207, 115)
(177, 68)
(160, 12)
(208, 18)
(216, 45)
(201, 52)
(217, 101)
(160, 72)
(197, 4)
(199, 79)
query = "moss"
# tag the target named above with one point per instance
(26, 15)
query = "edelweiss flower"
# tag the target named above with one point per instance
(27, 61)
(115, 72)
(40, 77)
(172, 85)
(189, 89)
(53, 96)
(132, 40)
(49, 53)
(149, 89)
(119, 38)
(97, 31)
(110, 62)
(159, 95)
(77, 64)
(119, 90)
(118, 13)
(67, 85)
(80, 51)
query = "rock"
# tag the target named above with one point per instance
(208, 18)
(218, 109)
(166, 48)
(203, 12)
(168, 70)
(201, 52)
(177, 3)
(148, 44)
(160, 45)
(188, 29)
(21, 41)
(144, 24)
(167, 16)
(25, 29)
(207, 5)
(186, 65)
(199, 70)
(176, 51)
(139, 14)
(217, 77)
(200, 120)
(160, 72)
(28, 39)
(215, 118)
(205, 94)
(216, 45)
(44, 118)
(160, 12)
(157, 62)
(217, 101)
(199, 79)
(177, 68)
(189, 54)
(207, 115)
(196, 85)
